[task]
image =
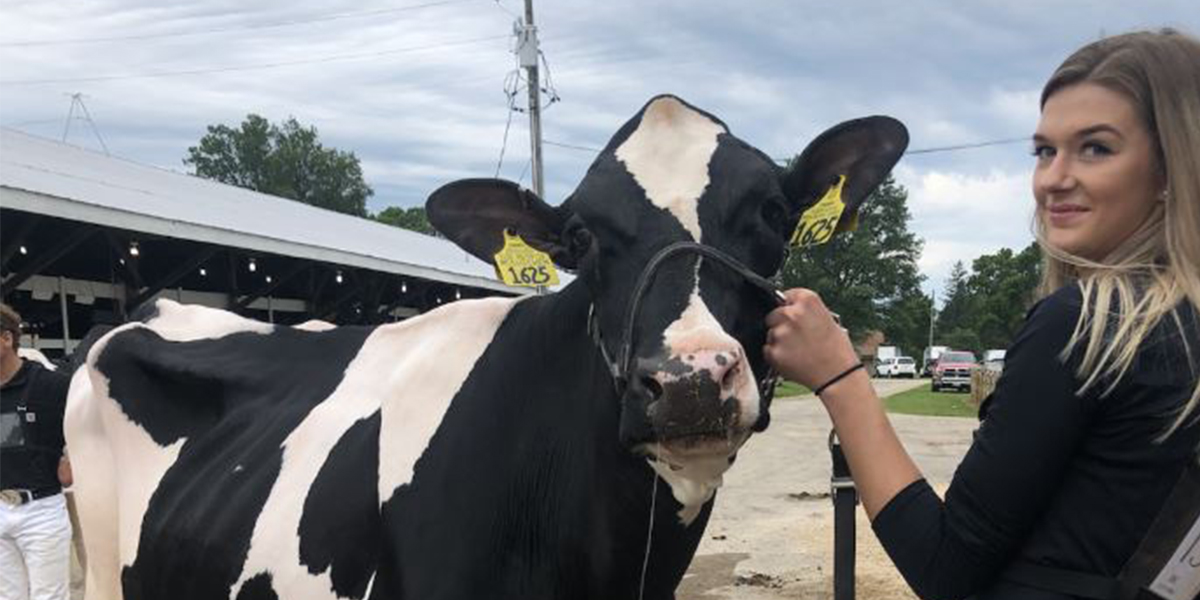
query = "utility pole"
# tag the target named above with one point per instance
(527, 51)
(931, 302)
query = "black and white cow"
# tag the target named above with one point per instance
(481, 450)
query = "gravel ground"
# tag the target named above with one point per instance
(771, 534)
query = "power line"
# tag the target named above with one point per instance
(271, 25)
(968, 146)
(931, 150)
(504, 8)
(253, 67)
(571, 146)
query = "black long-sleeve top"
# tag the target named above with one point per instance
(1052, 477)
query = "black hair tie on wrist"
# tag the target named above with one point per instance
(838, 378)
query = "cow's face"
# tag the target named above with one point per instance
(674, 173)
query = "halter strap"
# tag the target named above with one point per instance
(621, 369)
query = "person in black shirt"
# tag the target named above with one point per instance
(1095, 416)
(35, 529)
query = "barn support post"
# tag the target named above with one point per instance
(66, 318)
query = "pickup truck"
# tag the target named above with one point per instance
(953, 370)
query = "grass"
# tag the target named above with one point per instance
(925, 401)
(790, 388)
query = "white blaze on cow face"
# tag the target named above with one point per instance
(668, 156)
(412, 391)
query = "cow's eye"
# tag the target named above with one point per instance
(774, 213)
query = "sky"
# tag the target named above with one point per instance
(417, 88)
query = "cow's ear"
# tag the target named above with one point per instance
(474, 213)
(864, 150)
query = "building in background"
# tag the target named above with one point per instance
(86, 238)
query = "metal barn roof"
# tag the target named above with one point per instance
(47, 177)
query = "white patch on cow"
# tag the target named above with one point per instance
(668, 156)
(408, 371)
(693, 480)
(696, 331)
(187, 322)
(113, 481)
(315, 325)
(36, 356)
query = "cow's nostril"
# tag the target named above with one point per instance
(652, 386)
(727, 381)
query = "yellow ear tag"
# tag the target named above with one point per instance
(519, 264)
(818, 223)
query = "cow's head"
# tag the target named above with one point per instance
(675, 173)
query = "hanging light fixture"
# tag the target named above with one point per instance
(203, 272)
(338, 278)
(253, 266)
(457, 294)
(268, 279)
(403, 287)
(133, 249)
(24, 250)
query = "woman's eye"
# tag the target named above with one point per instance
(1094, 149)
(1043, 152)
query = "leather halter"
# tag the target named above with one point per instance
(621, 369)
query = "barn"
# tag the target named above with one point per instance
(86, 238)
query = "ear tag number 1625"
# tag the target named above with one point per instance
(519, 264)
(818, 223)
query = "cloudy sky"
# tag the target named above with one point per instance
(416, 88)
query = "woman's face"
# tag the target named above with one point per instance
(1096, 180)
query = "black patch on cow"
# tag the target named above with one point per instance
(340, 527)
(235, 399)
(258, 588)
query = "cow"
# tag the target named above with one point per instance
(563, 445)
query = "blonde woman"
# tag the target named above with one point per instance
(1095, 417)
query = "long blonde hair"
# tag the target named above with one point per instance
(1151, 274)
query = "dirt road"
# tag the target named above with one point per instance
(771, 534)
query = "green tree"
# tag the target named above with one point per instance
(985, 307)
(958, 311)
(862, 274)
(1003, 286)
(285, 160)
(906, 322)
(413, 219)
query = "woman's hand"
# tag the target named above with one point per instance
(804, 343)
(64, 472)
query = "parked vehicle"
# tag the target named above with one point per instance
(883, 352)
(883, 367)
(953, 370)
(930, 357)
(905, 366)
(901, 366)
(993, 360)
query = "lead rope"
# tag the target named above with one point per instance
(649, 536)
